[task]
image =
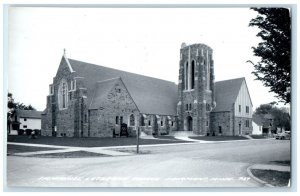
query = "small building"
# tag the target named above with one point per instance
(265, 123)
(233, 112)
(26, 120)
(257, 124)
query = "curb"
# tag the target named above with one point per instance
(257, 179)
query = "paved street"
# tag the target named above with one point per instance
(182, 165)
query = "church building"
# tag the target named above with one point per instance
(87, 100)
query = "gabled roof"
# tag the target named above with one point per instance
(101, 90)
(151, 95)
(226, 92)
(28, 114)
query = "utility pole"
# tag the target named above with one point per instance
(137, 140)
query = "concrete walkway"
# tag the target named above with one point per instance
(186, 138)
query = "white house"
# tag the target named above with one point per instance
(26, 120)
(257, 126)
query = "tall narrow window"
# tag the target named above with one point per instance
(142, 120)
(117, 120)
(132, 120)
(63, 95)
(240, 108)
(121, 120)
(247, 123)
(51, 89)
(208, 71)
(193, 75)
(186, 76)
(247, 109)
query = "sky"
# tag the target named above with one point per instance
(140, 40)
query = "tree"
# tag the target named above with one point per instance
(22, 106)
(274, 50)
(12, 107)
(281, 117)
(10, 111)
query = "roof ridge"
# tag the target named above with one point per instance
(230, 79)
(123, 71)
(68, 63)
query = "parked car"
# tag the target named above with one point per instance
(283, 136)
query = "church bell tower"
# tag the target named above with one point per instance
(195, 88)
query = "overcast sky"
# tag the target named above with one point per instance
(143, 41)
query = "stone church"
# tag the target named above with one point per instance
(87, 100)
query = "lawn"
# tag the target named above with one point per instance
(76, 154)
(258, 136)
(275, 178)
(218, 138)
(87, 141)
(11, 149)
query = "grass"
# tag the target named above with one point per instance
(258, 136)
(87, 142)
(12, 149)
(76, 154)
(275, 178)
(283, 163)
(218, 138)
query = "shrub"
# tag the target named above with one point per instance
(20, 131)
(37, 131)
(28, 131)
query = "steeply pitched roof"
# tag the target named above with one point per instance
(29, 114)
(151, 95)
(226, 92)
(101, 90)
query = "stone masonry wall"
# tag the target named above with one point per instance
(69, 121)
(244, 130)
(201, 94)
(223, 120)
(116, 103)
(46, 127)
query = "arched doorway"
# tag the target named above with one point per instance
(189, 123)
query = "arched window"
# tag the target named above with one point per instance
(193, 75)
(131, 120)
(186, 76)
(63, 95)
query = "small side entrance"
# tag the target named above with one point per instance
(189, 123)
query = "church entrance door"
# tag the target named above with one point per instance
(189, 123)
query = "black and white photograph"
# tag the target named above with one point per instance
(149, 96)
